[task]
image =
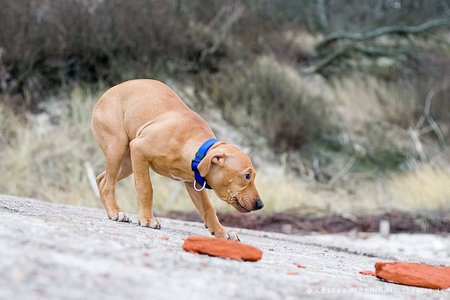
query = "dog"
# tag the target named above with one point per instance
(142, 124)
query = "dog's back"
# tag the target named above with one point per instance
(138, 102)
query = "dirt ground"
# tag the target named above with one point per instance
(290, 222)
(53, 251)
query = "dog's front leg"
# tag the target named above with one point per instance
(144, 190)
(208, 213)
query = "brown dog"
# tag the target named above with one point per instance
(142, 124)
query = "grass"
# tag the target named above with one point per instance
(425, 188)
(45, 158)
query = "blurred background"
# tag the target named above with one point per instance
(343, 105)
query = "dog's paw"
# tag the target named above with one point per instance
(121, 217)
(152, 223)
(233, 236)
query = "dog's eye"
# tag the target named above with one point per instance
(247, 176)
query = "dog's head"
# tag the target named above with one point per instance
(231, 175)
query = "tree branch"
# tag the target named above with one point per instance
(325, 61)
(396, 29)
(343, 50)
(230, 20)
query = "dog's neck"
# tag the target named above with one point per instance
(218, 144)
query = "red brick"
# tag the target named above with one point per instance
(221, 248)
(414, 274)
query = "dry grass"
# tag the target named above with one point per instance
(425, 188)
(46, 161)
(375, 100)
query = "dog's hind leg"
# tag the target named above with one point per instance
(125, 171)
(125, 167)
(115, 151)
(114, 155)
(100, 180)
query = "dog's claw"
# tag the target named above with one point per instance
(152, 223)
(121, 217)
(233, 236)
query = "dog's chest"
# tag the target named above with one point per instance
(172, 169)
(176, 177)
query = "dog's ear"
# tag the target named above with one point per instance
(215, 156)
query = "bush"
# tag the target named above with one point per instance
(49, 44)
(268, 100)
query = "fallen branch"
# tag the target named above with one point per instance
(426, 116)
(397, 29)
(342, 172)
(343, 50)
(90, 174)
(415, 137)
(431, 120)
(325, 61)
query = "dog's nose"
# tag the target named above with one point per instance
(259, 204)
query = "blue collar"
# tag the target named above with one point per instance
(197, 159)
